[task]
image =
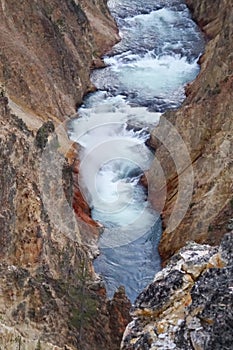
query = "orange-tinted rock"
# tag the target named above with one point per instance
(46, 272)
(80, 205)
(119, 308)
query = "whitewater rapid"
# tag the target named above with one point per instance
(145, 75)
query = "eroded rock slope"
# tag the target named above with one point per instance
(50, 295)
(50, 298)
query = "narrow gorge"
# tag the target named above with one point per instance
(52, 212)
(145, 75)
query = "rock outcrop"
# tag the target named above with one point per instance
(204, 122)
(188, 305)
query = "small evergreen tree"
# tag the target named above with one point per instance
(38, 345)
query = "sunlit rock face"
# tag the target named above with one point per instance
(205, 124)
(188, 305)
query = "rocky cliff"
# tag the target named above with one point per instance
(47, 49)
(204, 122)
(50, 297)
(188, 305)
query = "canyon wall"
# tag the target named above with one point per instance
(204, 122)
(187, 305)
(50, 298)
(47, 50)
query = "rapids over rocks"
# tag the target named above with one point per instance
(144, 76)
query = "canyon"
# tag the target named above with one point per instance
(50, 295)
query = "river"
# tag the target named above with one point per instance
(145, 75)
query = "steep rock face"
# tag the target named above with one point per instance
(188, 305)
(204, 122)
(47, 49)
(47, 52)
(50, 296)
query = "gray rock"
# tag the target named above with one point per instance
(189, 304)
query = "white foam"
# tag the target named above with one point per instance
(107, 118)
(110, 153)
(156, 76)
(163, 14)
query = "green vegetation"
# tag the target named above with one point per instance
(215, 91)
(2, 90)
(38, 345)
(43, 133)
(48, 11)
(60, 24)
(210, 228)
(85, 305)
(231, 203)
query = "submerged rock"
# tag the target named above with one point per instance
(189, 303)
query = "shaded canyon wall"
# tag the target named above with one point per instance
(47, 49)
